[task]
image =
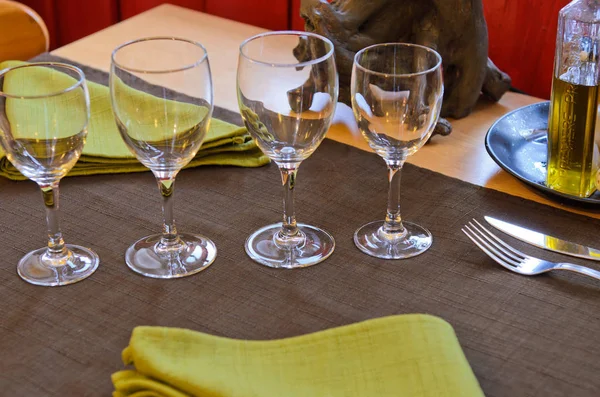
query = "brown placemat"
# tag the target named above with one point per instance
(523, 336)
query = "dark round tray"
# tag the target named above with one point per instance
(518, 143)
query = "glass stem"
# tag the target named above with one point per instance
(170, 239)
(56, 244)
(393, 220)
(289, 233)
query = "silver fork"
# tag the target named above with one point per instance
(515, 260)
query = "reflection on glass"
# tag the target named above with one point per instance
(44, 112)
(287, 93)
(396, 98)
(164, 129)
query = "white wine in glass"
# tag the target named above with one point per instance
(44, 112)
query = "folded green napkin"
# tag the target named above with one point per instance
(407, 355)
(106, 153)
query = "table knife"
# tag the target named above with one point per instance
(544, 241)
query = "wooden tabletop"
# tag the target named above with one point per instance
(461, 155)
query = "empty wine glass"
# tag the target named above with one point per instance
(287, 93)
(164, 128)
(397, 92)
(44, 112)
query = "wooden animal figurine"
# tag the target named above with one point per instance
(456, 29)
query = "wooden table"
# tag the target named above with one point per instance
(461, 155)
(522, 335)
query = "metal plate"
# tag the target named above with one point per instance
(518, 143)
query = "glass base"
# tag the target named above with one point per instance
(371, 240)
(316, 246)
(37, 268)
(194, 254)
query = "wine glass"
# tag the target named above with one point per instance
(162, 98)
(287, 92)
(44, 112)
(397, 92)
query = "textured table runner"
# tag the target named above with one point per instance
(523, 336)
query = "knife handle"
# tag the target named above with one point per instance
(580, 269)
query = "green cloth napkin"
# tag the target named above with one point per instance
(106, 153)
(406, 355)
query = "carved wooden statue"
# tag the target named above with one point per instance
(454, 28)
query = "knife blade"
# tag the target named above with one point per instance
(545, 241)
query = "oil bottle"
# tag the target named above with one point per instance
(572, 127)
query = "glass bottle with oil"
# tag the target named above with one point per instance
(572, 126)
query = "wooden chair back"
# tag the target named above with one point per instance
(23, 33)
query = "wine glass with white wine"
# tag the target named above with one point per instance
(287, 92)
(397, 92)
(44, 113)
(162, 97)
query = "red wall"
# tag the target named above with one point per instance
(521, 33)
(522, 37)
(130, 8)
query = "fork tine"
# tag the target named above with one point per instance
(500, 241)
(484, 246)
(499, 247)
(492, 246)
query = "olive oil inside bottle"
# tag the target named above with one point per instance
(572, 161)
